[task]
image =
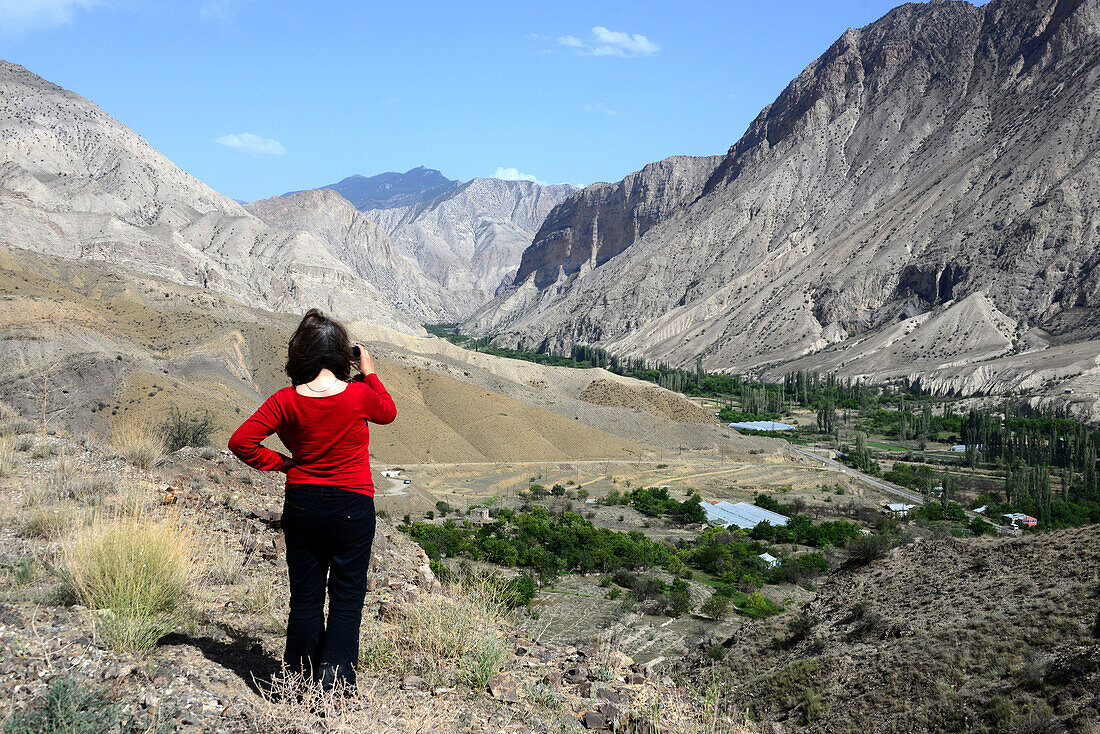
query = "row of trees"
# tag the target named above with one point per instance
(656, 502)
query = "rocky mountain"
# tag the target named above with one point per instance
(77, 183)
(925, 191)
(469, 241)
(594, 225)
(360, 243)
(391, 189)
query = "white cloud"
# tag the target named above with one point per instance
(17, 16)
(606, 42)
(514, 174)
(252, 144)
(600, 108)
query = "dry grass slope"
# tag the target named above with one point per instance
(943, 636)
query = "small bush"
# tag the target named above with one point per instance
(716, 652)
(379, 652)
(866, 548)
(62, 476)
(625, 579)
(717, 607)
(138, 442)
(186, 429)
(758, 606)
(91, 490)
(42, 450)
(19, 572)
(543, 695)
(481, 663)
(136, 569)
(17, 427)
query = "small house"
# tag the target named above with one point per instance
(480, 516)
(897, 509)
(769, 560)
(1020, 519)
(391, 473)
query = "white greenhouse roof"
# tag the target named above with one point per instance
(741, 514)
(762, 426)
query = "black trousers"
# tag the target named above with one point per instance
(329, 532)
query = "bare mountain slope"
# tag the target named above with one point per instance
(944, 153)
(950, 635)
(470, 240)
(77, 183)
(360, 243)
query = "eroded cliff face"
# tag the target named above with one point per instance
(946, 151)
(77, 183)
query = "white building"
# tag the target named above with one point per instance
(769, 560)
(897, 509)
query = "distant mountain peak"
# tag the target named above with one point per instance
(391, 189)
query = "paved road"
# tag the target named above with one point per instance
(913, 497)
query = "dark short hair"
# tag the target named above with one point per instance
(319, 342)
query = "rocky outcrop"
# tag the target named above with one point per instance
(77, 183)
(470, 240)
(944, 153)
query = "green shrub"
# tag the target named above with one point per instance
(717, 607)
(186, 429)
(866, 548)
(758, 606)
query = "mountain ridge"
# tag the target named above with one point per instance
(391, 188)
(77, 183)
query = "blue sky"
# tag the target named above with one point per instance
(258, 98)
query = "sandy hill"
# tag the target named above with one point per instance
(934, 173)
(940, 636)
(108, 343)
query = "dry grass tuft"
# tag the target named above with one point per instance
(293, 705)
(7, 457)
(138, 441)
(49, 523)
(223, 567)
(456, 634)
(694, 712)
(138, 570)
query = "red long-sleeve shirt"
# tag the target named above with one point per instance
(327, 436)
